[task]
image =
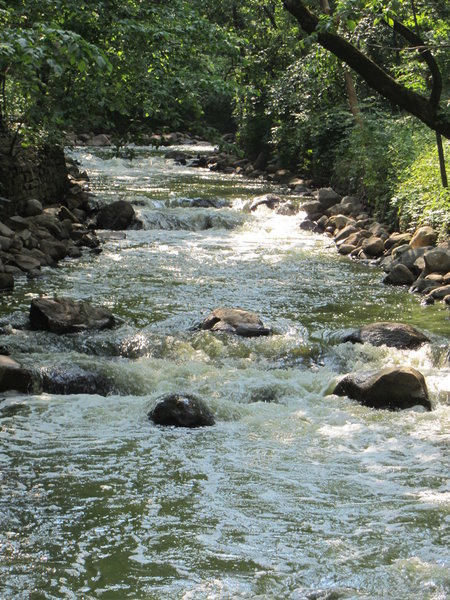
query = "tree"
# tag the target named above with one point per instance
(429, 110)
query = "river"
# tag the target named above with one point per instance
(293, 494)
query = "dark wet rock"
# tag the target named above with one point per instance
(427, 301)
(200, 162)
(26, 263)
(399, 275)
(33, 207)
(73, 380)
(308, 225)
(439, 293)
(17, 223)
(15, 377)
(208, 203)
(394, 335)
(394, 388)
(269, 200)
(6, 282)
(54, 249)
(181, 410)
(118, 215)
(63, 315)
(235, 320)
(177, 155)
(422, 285)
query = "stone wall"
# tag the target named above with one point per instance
(30, 174)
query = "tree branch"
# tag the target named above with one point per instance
(424, 52)
(373, 74)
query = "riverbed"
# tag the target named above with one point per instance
(294, 493)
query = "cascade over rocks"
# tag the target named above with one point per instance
(395, 335)
(235, 320)
(63, 315)
(181, 410)
(395, 388)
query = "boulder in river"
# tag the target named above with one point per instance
(269, 200)
(15, 377)
(393, 388)
(118, 215)
(235, 320)
(73, 380)
(64, 315)
(181, 410)
(394, 335)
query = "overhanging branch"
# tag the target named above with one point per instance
(373, 74)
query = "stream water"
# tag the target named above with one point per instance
(293, 494)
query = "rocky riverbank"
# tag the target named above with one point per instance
(39, 236)
(416, 259)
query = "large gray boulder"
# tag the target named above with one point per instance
(327, 197)
(64, 315)
(118, 215)
(437, 261)
(394, 335)
(394, 388)
(181, 410)
(235, 320)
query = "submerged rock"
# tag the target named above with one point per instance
(181, 410)
(73, 380)
(391, 388)
(64, 315)
(394, 335)
(235, 320)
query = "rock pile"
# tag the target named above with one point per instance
(411, 259)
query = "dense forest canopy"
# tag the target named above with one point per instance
(325, 88)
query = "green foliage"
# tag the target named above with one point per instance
(419, 197)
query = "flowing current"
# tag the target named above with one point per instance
(294, 493)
